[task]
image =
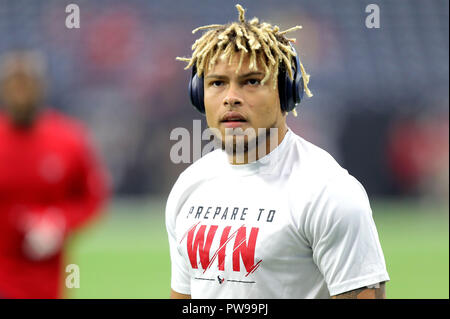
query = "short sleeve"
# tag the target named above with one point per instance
(344, 238)
(180, 278)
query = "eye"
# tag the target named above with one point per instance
(253, 82)
(216, 83)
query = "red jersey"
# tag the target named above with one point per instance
(50, 166)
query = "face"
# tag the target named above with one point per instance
(239, 100)
(21, 94)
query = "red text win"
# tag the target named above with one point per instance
(199, 241)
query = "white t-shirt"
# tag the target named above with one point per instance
(293, 224)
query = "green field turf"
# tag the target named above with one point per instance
(125, 253)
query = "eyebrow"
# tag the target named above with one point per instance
(222, 77)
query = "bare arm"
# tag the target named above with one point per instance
(177, 295)
(364, 293)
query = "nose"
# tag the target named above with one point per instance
(232, 98)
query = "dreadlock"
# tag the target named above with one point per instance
(259, 40)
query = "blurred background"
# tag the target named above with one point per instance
(380, 107)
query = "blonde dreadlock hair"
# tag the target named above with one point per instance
(261, 40)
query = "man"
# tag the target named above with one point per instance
(51, 182)
(290, 223)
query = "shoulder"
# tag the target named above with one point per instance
(310, 168)
(208, 166)
(341, 204)
(344, 192)
(314, 157)
(328, 190)
(57, 120)
(64, 127)
(205, 168)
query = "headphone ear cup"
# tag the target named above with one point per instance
(286, 91)
(298, 83)
(196, 93)
(282, 90)
(290, 91)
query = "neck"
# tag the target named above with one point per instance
(24, 120)
(264, 145)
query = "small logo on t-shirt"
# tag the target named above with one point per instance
(221, 280)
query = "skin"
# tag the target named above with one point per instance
(177, 295)
(228, 91)
(364, 293)
(21, 95)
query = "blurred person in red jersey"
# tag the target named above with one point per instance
(51, 181)
(418, 154)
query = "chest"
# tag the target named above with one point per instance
(238, 227)
(34, 167)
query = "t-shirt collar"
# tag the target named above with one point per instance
(266, 164)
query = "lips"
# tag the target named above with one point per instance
(233, 117)
(233, 120)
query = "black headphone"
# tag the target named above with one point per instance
(289, 91)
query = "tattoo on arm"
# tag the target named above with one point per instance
(364, 293)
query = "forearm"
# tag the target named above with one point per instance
(177, 295)
(364, 293)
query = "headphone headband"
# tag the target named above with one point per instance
(289, 91)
